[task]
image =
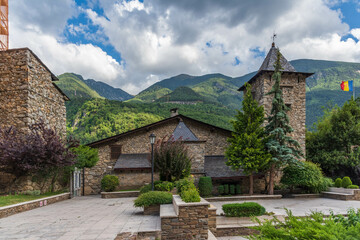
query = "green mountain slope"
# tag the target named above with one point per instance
(74, 86)
(151, 94)
(108, 91)
(182, 94)
(95, 119)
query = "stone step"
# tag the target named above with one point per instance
(167, 211)
(211, 236)
(337, 193)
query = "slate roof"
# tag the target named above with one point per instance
(268, 65)
(270, 60)
(133, 161)
(183, 133)
(215, 167)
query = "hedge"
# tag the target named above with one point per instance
(226, 189)
(246, 209)
(153, 198)
(205, 186)
(191, 195)
(221, 189)
(353, 187)
(338, 183)
(346, 181)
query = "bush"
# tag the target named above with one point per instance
(190, 195)
(145, 189)
(353, 187)
(338, 182)
(221, 189)
(205, 186)
(32, 193)
(307, 176)
(226, 189)
(246, 209)
(164, 186)
(232, 189)
(238, 189)
(184, 184)
(153, 198)
(346, 182)
(109, 183)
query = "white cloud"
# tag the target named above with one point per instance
(161, 38)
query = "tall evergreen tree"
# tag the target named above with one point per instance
(247, 148)
(280, 145)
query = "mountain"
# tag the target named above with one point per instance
(108, 91)
(73, 86)
(182, 94)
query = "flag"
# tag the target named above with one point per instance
(346, 86)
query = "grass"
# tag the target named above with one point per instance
(18, 198)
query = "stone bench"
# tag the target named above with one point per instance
(342, 194)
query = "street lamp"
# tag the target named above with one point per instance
(152, 141)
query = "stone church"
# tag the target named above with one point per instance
(127, 155)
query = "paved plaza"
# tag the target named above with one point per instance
(78, 218)
(92, 217)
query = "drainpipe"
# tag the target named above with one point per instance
(83, 182)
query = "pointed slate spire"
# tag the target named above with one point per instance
(184, 133)
(268, 64)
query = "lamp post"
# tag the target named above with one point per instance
(152, 141)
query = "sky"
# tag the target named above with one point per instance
(131, 44)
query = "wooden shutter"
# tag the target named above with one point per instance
(115, 151)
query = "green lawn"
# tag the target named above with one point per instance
(13, 199)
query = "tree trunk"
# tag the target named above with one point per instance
(251, 184)
(271, 180)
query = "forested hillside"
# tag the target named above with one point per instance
(91, 117)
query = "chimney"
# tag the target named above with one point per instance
(174, 112)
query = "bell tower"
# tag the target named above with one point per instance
(293, 86)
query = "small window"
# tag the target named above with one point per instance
(115, 151)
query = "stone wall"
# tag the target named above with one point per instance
(28, 96)
(293, 86)
(212, 142)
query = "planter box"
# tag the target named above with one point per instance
(152, 210)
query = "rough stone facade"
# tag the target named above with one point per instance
(28, 96)
(293, 86)
(212, 142)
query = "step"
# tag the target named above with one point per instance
(211, 236)
(167, 211)
(244, 197)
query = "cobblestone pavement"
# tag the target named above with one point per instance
(89, 217)
(300, 206)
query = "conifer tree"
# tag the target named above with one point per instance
(283, 149)
(247, 148)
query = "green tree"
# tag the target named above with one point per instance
(334, 142)
(280, 145)
(247, 147)
(86, 157)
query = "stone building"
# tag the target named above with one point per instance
(293, 85)
(127, 155)
(28, 95)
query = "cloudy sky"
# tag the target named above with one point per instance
(133, 44)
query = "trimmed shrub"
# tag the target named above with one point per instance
(226, 189)
(190, 195)
(346, 181)
(232, 189)
(221, 189)
(145, 189)
(153, 198)
(306, 175)
(353, 187)
(205, 186)
(338, 182)
(109, 183)
(246, 209)
(238, 189)
(164, 186)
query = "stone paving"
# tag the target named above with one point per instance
(300, 206)
(79, 218)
